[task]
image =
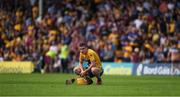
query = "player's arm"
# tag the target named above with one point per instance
(89, 68)
(81, 66)
(81, 62)
(91, 65)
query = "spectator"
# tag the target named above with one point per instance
(64, 57)
(174, 54)
(135, 57)
(112, 28)
(1, 56)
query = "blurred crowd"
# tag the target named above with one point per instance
(146, 31)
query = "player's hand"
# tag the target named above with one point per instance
(84, 73)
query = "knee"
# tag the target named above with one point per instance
(77, 70)
(95, 70)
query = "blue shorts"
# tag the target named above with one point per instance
(91, 75)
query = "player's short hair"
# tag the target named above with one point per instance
(83, 44)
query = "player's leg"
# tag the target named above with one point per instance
(97, 72)
(77, 70)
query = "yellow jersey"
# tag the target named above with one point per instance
(91, 56)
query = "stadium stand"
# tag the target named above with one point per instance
(119, 30)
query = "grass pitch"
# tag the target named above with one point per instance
(113, 85)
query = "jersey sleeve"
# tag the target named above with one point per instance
(80, 57)
(91, 57)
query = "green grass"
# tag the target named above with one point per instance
(54, 85)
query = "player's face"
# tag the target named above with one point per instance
(83, 50)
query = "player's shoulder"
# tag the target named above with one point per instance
(81, 54)
(91, 51)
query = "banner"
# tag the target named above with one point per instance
(117, 68)
(175, 69)
(111, 68)
(156, 69)
(16, 67)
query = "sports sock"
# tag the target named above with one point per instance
(98, 77)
